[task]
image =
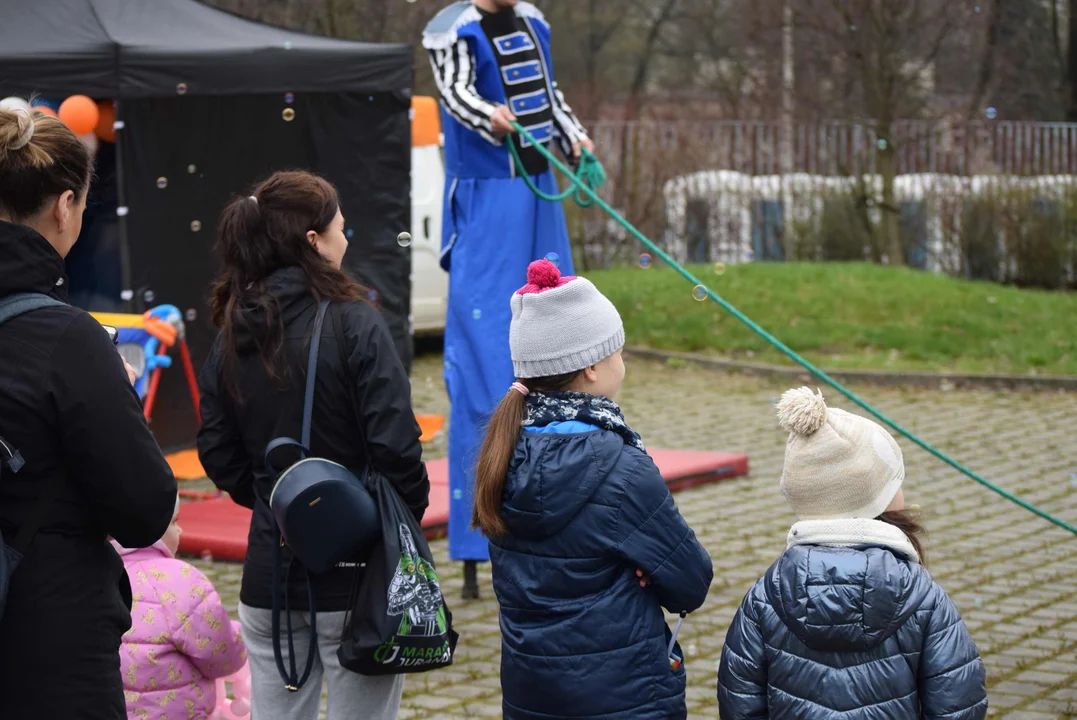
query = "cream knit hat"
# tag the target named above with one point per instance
(837, 465)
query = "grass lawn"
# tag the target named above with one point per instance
(851, 315)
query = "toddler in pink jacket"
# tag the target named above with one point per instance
(181, 638)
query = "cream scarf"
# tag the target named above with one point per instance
(845, 532)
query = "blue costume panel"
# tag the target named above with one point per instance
(493, 226)
(500, 227)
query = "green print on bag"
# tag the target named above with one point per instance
(414, 592)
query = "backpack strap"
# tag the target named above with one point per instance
(12, 306)
(292, 681)
(303, 444)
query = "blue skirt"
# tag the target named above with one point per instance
(492, 229)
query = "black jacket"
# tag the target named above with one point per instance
(67, 405)
(362, 403)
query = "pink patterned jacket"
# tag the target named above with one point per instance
(180, 640)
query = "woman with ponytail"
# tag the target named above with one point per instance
(586, 543)
(281, 247)
(77, 459)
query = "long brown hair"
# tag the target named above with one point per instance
(908, 522)
(260, 233)
(502, 434)
(39, 158)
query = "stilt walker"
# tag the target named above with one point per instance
(491, 61)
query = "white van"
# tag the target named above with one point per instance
(429, 283)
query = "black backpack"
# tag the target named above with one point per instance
(11, 554)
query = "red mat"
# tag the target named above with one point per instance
(218, 527)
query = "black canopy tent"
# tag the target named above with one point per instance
(206, 104)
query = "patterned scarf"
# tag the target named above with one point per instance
(545, 408)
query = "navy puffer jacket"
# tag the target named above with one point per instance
(580, 637)
(856, 633)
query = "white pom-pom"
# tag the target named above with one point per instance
(801, 411)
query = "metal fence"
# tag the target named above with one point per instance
(729, 177)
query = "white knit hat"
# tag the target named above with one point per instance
(560, 324)
(837, 465)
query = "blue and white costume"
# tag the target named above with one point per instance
(493, 226)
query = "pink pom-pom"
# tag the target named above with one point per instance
(543, 274)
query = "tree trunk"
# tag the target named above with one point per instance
(1072, 61)
(890, 213)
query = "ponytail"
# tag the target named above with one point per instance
(498, 447)
(259, 234)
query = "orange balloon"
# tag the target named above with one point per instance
(79, 113)
(106, 117)
(45, 109)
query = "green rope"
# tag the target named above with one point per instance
(591, 175)
(593, 196)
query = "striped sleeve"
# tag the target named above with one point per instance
(569, 129)
(454, 73)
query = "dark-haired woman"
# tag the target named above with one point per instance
(281, 250)
(68, 408)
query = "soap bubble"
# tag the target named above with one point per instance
(162, 182)
(191, 169)
(554, 258)
(457, 494)
(287, 44)
(404, 239)
(191, 315)
(181, 89)
(476, 314)
(350, 232)
(645, 261)
(719, 268)
(149, 296)
(288, 114)
(372, 295)
(289, 98)
(196, 225)
(699, 293)
(991, 113)
(881, 143)
(127, 295)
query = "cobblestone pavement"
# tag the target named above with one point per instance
(1013, 575)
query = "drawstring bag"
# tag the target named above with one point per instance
(324, 513)
(398, 621)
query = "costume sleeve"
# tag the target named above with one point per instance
(742, 671)
(652, 536)
(454, 73)
(952, 677)
(220, 446)
(106, 442)
(569, 129)
(201, 629)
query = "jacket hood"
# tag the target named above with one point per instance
(29, 264)
(844, 598)
(291, 290)
(133, 555)
(552, 477)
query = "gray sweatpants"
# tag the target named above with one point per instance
(351, 696)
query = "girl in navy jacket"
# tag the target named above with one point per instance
(848, 623)
(586, 543)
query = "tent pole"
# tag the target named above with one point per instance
(122, 210)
